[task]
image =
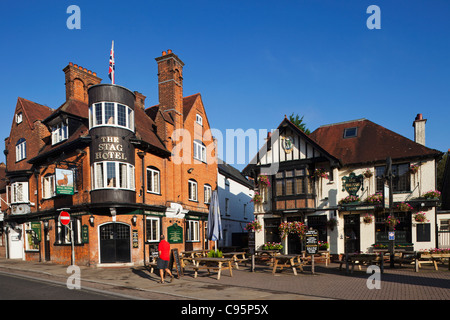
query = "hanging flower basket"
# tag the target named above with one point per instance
(414, 168)
(320, 173)
(404, 206)
(391, 221)
(367, 173)
(420, 217)
(263, 181)
(257, 198)
(367, 219)
(253, 226)
(331, 224)
(432, 194)
(295, 227)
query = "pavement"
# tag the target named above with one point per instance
(327, 283)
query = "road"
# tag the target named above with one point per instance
(19, 287)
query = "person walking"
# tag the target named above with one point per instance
(163, 260)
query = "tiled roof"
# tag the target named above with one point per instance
(372, 143)
(33, 111)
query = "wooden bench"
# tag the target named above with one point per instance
(216, 264)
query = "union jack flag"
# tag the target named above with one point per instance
(112, 66)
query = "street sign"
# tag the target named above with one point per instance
(391, 235)
(64, 218)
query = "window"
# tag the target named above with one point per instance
(48, 186)
(292, 182)
(19, 192)
(227, 206)
(21, 149)
(32, 236)
(111, 174)
(192, 231)
(350, 132)
(400, 181)
(60, 132)
(207, 193)
(153, 180)
(111, 114)
(245, 211)
(199, 119)
(19, 117)
(192, 190)
(199, 151)
(63, 233)
(152, 228)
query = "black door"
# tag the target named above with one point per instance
(351, 231)
(115, 243)
(46, 245)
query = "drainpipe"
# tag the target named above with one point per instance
(141, 155)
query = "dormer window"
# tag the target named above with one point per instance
(19, 117)
(21, 149)
(350, 132)
(111, 114)
(199, 119)
(60, 132)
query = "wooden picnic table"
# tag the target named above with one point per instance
(236, 257)
(361, 259)
(218, 264)
(432, 258)
(289, 261)
(187, 257)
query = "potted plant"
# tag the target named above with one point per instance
(323, 245)
(253, 226)
(257, 198)
(272, 246)
(391, 222)
(432, 194)
(414, 168)
(320, 173)
(420, 217)
(368, 219)
(367, 173)
(263, 181)
(376, 198)
(350, 199)
(331, 223)
(404, 206)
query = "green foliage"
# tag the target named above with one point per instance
(299, 123)
(215, 254)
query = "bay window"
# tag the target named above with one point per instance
(111, 174)
(111, 114)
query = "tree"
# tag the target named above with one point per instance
(441, 171)
(299, 123)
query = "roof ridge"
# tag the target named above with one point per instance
(343, 122)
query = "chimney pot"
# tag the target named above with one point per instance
(163, 53)
(169, 51)
(419, 116)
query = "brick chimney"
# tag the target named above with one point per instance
(170, 85)
(78, 80)
(419, 129)
(140, 100)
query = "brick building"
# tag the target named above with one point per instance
(125, 173)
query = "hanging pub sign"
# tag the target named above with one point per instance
(175, 234)
(64, 181)
(352, 183)
(287, 143)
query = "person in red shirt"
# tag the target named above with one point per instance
(163, 259)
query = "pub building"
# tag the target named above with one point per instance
(332, 180)
(111, 164)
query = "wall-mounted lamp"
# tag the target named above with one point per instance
(190, 170)
(134, 220)
(91, 220)
(46, 225)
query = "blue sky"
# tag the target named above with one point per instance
(252, 61)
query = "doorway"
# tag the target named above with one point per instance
(115, 245)
(352, 233)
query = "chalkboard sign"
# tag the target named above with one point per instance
(312, 241)
(175, 257)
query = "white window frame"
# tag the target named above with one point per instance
(199, 151)
(199, 119)
(207, 193)
(155, 229)
(153, 187)
(129, 116)
(19, 192)
(19, 117)
(192, 231)
(60, 132)
(100, 175)
(48, 186)
(21, 150)
(193, 190)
